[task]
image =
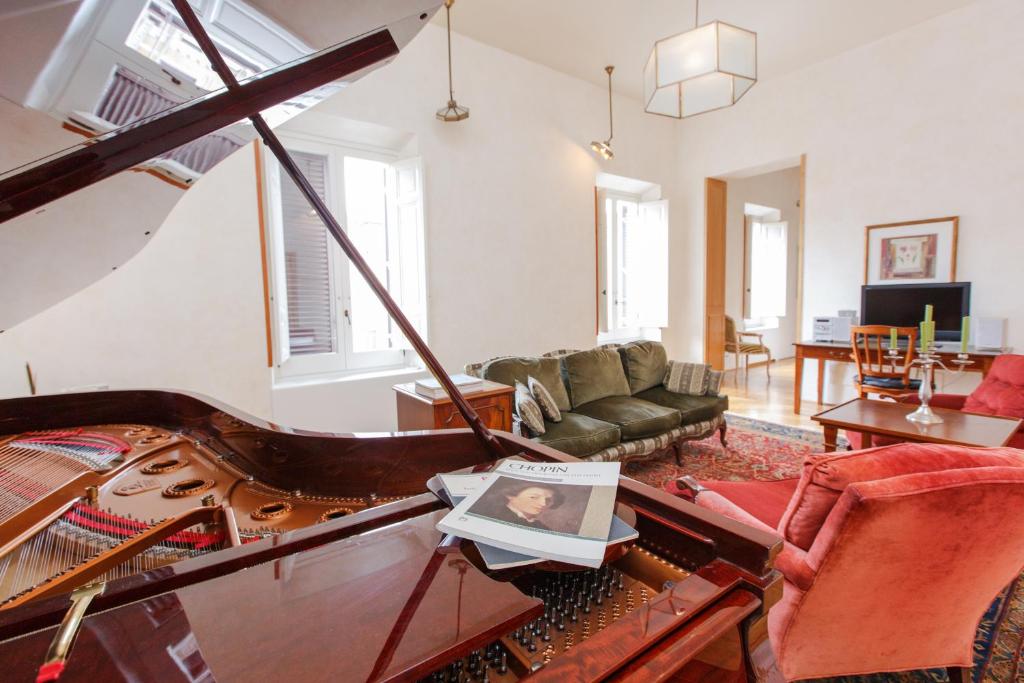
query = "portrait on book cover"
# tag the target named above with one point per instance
(534, 505)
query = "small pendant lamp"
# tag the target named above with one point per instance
(604, 149)
(452, 112)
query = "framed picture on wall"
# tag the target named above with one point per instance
(913, 251)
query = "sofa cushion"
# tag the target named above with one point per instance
(1002, 390)
(825, 477)
(636, 418)
(688, 378)
(548, 371)
(528, 409)
(692, 408)
(645, 364)
(594, 374)
(544, 399)
(579, 435)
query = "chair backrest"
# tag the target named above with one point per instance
(869, 344)
(730, 330)
(1002, 390)
(904, 567)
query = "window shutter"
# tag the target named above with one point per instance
(309, 309)
(408, 272)
(649, 278)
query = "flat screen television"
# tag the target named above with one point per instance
(903, 306)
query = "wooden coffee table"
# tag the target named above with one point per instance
(888, 418)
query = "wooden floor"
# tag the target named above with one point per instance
(754, 396)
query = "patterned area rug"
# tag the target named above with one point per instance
(768, 451)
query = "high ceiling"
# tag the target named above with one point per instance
(580, 37)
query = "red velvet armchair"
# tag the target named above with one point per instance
(1000, 393)
(891, 555)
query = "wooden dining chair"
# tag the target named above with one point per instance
(878, 373)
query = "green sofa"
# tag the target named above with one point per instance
(614, 401)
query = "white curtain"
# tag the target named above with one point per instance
(768, 249)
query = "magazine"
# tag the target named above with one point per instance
(555, 511)
(452, 489)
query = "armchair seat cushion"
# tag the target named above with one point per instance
(637, 419)
(889, 383)
(691, 408)
(579, 435)
(745, 347)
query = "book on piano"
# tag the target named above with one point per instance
(554, 511)
(452, 489)
(431, 388)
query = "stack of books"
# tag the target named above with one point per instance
(431, 388)
(525, 512)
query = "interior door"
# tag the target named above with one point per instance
(714, 272)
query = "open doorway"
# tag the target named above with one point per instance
(753, 273)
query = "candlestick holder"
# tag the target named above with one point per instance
(926, 360)
(961, 361)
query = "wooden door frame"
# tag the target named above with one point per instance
(715, 212)
(715, 227)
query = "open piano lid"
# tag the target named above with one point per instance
(59, 246)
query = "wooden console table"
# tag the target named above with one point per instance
(843, 353)
(493, 404)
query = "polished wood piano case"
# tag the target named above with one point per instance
(375, 594)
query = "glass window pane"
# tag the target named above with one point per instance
(366, 224)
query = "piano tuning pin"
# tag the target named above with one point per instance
(503, 665)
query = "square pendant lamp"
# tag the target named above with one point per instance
(706, 68)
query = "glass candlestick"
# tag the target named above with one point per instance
(927, 360)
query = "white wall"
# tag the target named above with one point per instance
(778, 190)
(509, 208)
(510, 234)
(185, 313)
(924, 123)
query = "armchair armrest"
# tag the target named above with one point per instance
(792, 561)
(759, 335)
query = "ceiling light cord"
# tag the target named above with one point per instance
(611, 121)
(448, 13)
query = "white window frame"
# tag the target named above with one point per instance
(343, 360)
(645, 317)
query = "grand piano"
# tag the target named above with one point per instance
(159, 536)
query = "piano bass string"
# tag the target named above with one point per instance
(103, 502)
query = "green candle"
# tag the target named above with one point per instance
(965, 332)
(928, 313)
(931, 333)
(924, 336)
(893, 339)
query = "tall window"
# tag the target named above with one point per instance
(328, 319)
(768, 246)
(633, 262)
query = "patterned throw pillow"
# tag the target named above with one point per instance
(714, 382)
(544, 398)
(528, 410)
(688, 378)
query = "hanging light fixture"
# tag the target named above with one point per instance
(708, 67)
(452, 112)
(605, 148)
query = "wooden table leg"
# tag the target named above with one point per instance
(821, 381)
(798, 380)
(866, 440)
(831, 436)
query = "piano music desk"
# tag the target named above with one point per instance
(493, 404)
(842, 352)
